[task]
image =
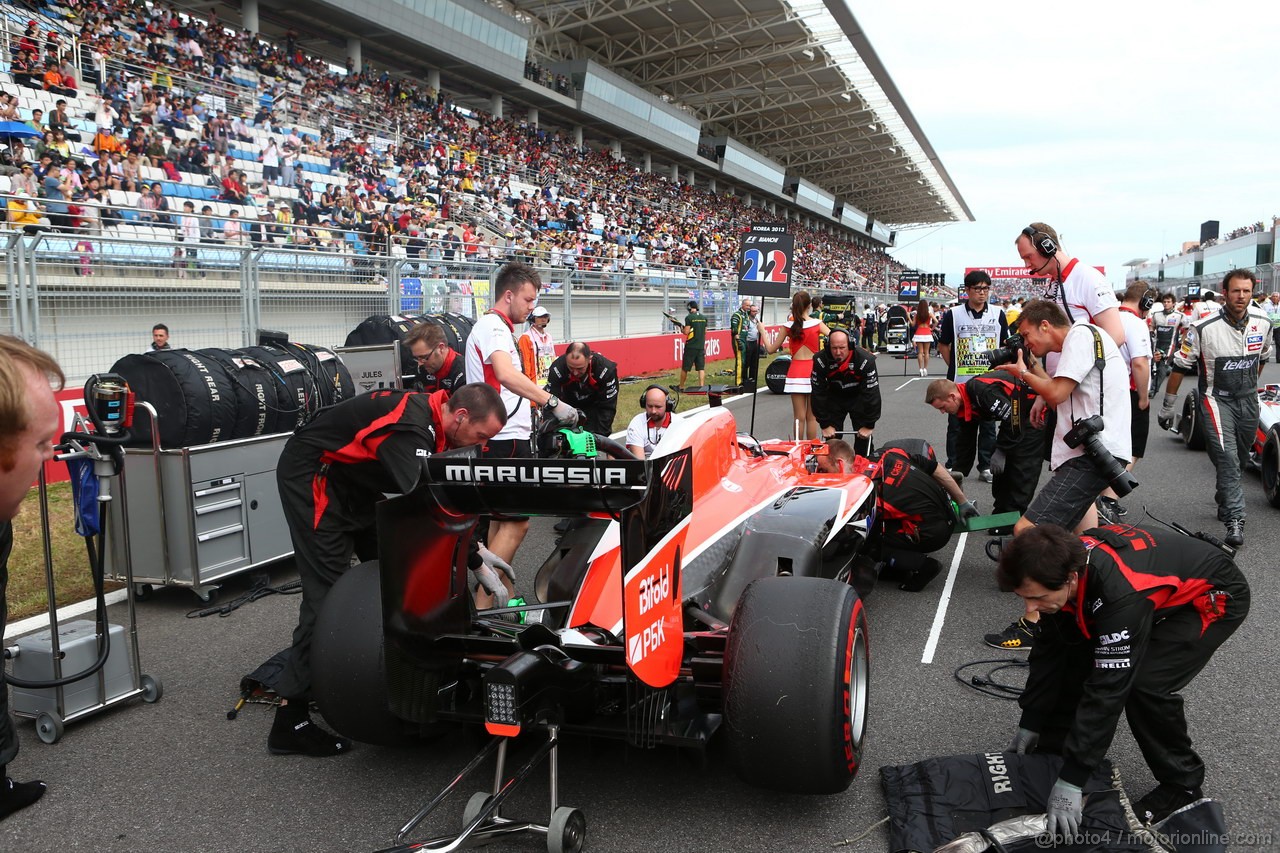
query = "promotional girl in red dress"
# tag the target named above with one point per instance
(803, 340)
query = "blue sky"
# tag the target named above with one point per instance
(1123, 125)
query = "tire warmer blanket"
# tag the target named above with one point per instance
(936, 800)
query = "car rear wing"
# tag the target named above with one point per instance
(421, 534)
(536, 486)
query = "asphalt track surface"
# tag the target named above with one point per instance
(178, 776)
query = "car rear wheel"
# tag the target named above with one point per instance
(1192, 423)
(796, 676)
(1271, 467)
(349, 680)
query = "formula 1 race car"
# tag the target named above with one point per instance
(1264, 455)
(716, 587)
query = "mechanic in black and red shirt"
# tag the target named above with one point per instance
(996, 395)
(846, 385)
(440, 368)
(587, 381)
(1129, 618)
(331, 474)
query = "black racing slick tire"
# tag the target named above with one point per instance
(796, 674)
(348, 681)
(1191, 425)
(1271, 467)
(775, 375)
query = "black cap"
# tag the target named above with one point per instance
(692, 305)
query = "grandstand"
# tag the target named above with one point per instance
(325, 186)
(1252, 247)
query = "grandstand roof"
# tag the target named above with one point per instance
(797, 80)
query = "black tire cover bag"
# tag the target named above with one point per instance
(254, 386)
(192, 395)
(384, 329)
(296, 394)
(936, 800)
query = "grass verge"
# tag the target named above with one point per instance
(72, 579)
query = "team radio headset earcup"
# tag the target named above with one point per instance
(1148, 299)
(1045, 245)
(671, 404)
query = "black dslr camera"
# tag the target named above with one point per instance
(1008, 353)
(1085, 432)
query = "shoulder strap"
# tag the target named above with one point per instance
(1100, 364)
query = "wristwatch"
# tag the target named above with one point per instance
(552, 402)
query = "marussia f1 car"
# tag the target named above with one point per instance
(1264, 455)
(716, 587)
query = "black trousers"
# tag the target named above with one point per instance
(1017, 478)
(322, 552)
(8, 734)
(1175, 654)
(964, 439)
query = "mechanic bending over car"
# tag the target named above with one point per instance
(996, 396)
(587, 381)
(914, 493)
(493, 357)
(1091, 442)
(331, 474)
(439, 366)
(845, 385)
(1131, 616)
(1229, 348)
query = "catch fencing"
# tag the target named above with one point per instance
(90, 299)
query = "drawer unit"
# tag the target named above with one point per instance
(192, 515)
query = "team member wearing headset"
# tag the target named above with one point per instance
(647, 428)
(846, 385)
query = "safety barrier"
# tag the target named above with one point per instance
(90, 299)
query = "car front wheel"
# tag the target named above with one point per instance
(796, 677)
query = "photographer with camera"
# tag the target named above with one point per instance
(1091, 442)
(1229, 348)
(968, 332)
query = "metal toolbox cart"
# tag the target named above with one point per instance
(195, 515)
